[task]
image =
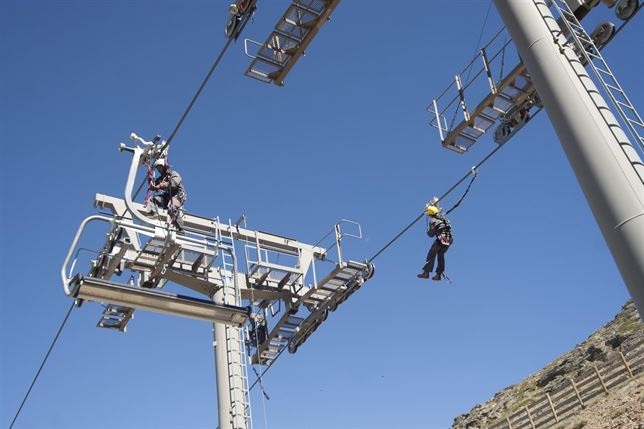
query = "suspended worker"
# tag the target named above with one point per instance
(440, 228)
(169, 193)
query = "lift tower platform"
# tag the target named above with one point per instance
(264, 293)
(287, 43)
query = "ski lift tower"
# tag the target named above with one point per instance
(554, 49)
(269, 299)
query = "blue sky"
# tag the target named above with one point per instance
(346, 137)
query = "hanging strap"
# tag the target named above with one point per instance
(474, 174)
(150, 182)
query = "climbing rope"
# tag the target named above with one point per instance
(150, 179)
(71, 307)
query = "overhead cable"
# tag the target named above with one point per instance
(42, 364)
(194, 98)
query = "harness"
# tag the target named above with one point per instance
(442, 231)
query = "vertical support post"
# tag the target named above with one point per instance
(601, 380)
(438, 121)
(507, 419)
(552, 407)
(527, 411)
(488, 72)
(229, 372)
(597, 148)
(461, 94)
(628, 368)
(338, 242)
(221, 370)
(574, 386)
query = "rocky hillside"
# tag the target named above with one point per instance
(589, 387)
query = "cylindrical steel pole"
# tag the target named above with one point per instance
(231, 403)
(221, 372)
(607, 167)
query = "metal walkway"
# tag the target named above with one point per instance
(292, 331)
(287, 43)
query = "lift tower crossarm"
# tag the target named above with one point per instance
(211, 226)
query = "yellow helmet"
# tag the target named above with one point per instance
(431, 210)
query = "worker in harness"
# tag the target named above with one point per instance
(169, 194)
(440, 228)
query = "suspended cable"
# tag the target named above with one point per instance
(194, 98)
(192, 102)
(43, 363)
(420, 216)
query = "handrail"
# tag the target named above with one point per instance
(63, 269)
(129, 187)
(126, 224)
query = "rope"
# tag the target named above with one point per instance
(150, 179)
(71, 307)
(194, 98)
(465, 193)
(420, 216)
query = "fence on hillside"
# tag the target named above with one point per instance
(574, 394)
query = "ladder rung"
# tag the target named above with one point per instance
(615, 88)
(487, 117)
(197, 262)
(466, 137)
(631, 108)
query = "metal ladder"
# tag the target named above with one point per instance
(115, 317)
(236, 351)
(587, 48)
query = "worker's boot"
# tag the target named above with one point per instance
(437, 276)
(423, 275)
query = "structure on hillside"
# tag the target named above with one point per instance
(553, 50)
(601, 370)
(263, 292)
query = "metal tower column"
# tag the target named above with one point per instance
(230, 398)
(607, 167)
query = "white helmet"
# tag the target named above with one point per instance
(160, 163)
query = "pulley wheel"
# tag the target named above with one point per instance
(625, 9)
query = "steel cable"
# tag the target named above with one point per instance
(42, 364)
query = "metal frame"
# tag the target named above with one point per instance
(289, 40)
